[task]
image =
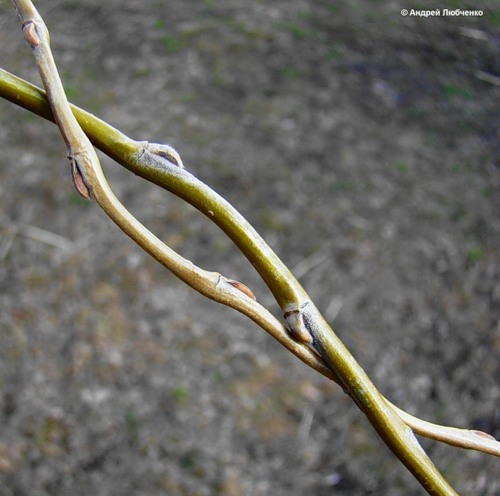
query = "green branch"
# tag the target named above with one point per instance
(304, 319)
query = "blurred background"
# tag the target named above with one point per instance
(363, 145)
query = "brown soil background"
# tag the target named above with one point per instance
(362, 144)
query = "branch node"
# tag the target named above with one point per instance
(78, 178)
(163, 151)
(298, 324)
(30, 34)
(242, 287)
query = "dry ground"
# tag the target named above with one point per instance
(363, 145)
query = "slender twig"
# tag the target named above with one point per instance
(461, 438)
(303, 318)
(41, 236)
(90, 181)
(488, 77)
(122, 149)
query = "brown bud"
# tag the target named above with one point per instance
(166, 152)
(241, 287)
(30, 34)
(297, 327)
(484, 434)
(78, 181)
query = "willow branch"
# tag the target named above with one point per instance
(304, 320)
(124, 150)
(90, 182)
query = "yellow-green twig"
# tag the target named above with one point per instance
(125, 151)
(162, 165)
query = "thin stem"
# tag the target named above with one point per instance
(123, 150)
(304, 319)
(90, 181)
